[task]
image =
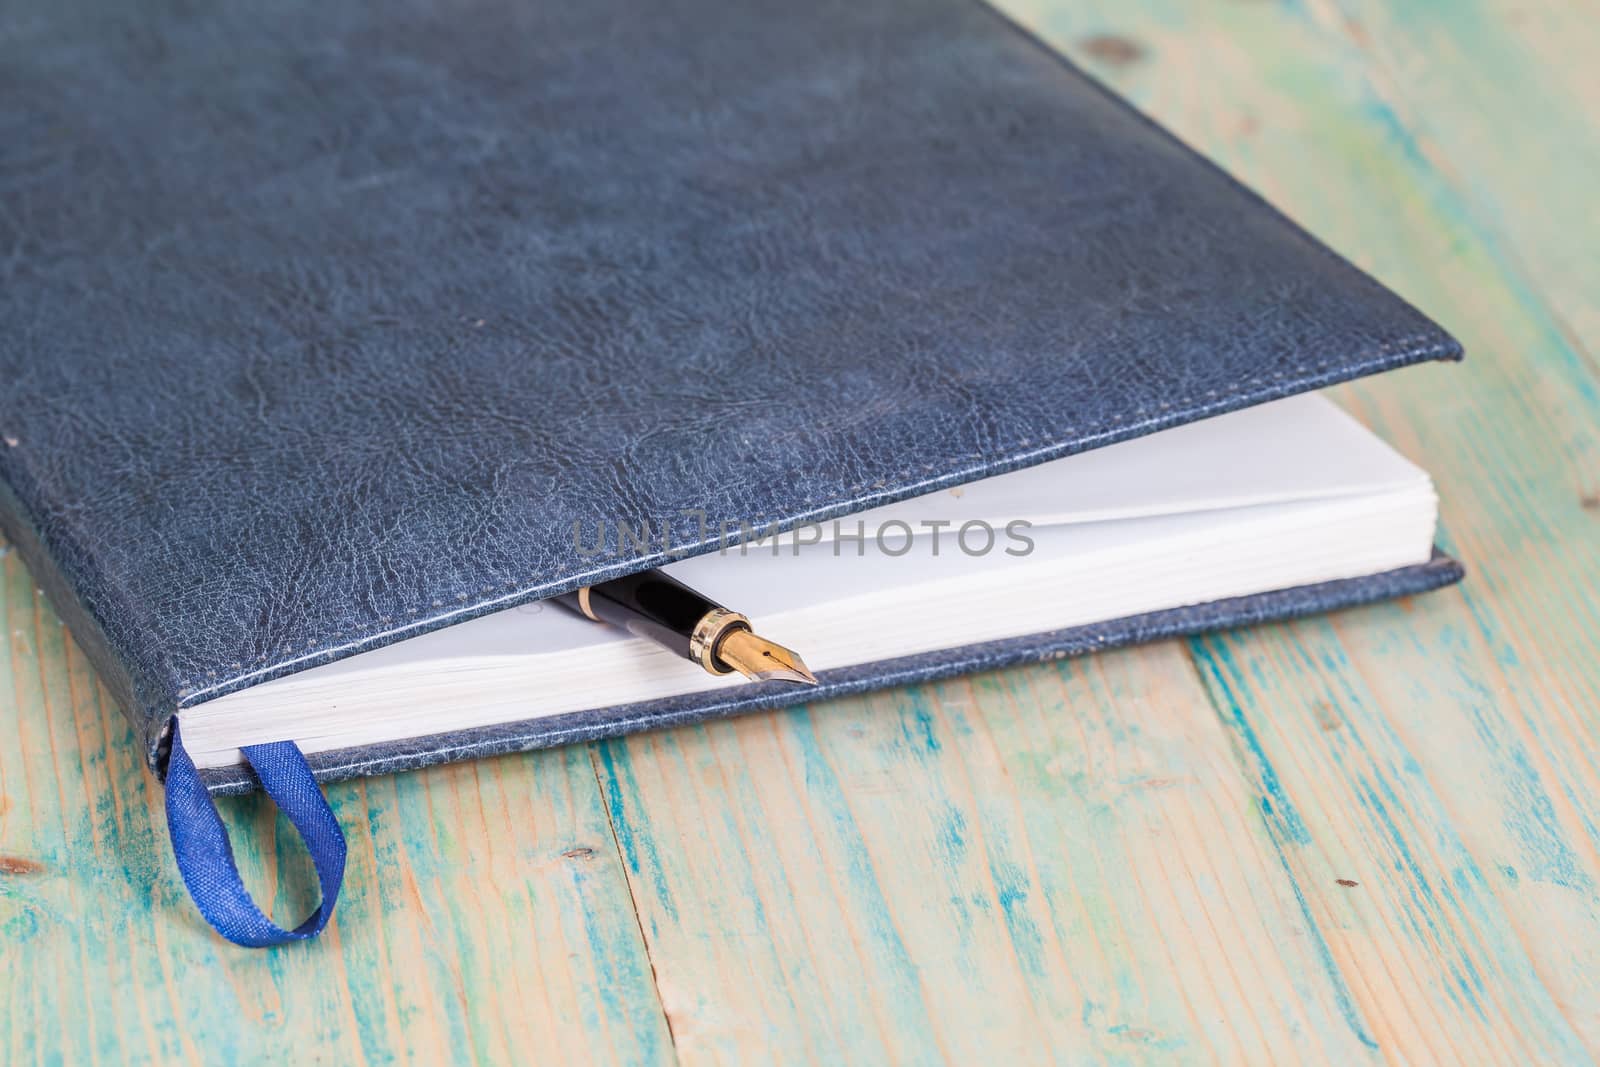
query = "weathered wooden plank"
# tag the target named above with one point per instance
(1462, 759)
(1048, 864)
(1522, 151)
(485, 913)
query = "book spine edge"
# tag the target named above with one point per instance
(146, 715)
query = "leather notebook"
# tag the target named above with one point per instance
(329, 326)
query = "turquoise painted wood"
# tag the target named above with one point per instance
(1373, 836)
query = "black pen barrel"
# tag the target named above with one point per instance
(648, 604)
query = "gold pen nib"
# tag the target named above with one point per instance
(760, 660)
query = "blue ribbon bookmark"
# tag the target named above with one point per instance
(205, 856)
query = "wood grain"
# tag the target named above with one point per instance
(1373, 836)
(1464, 759)
(1049, 884)
(485, 913)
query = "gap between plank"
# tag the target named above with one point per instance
(1344, 997)
(633, 901)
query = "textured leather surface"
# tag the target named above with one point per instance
(322, 322)
(678, 711)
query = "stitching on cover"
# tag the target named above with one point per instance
(1413, 343)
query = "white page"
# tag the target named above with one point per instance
(1296, 449)
(1246, 523)
(1083, 573)
(1300, 448)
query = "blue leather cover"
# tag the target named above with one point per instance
(323, 321)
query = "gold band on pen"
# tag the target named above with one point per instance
(657, 607)
(708, 631)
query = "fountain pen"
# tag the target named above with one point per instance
(662, 609)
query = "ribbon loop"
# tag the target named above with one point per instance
(205, 855)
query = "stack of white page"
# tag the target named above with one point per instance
(1281, 495)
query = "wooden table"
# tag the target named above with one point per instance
(1369, 836)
